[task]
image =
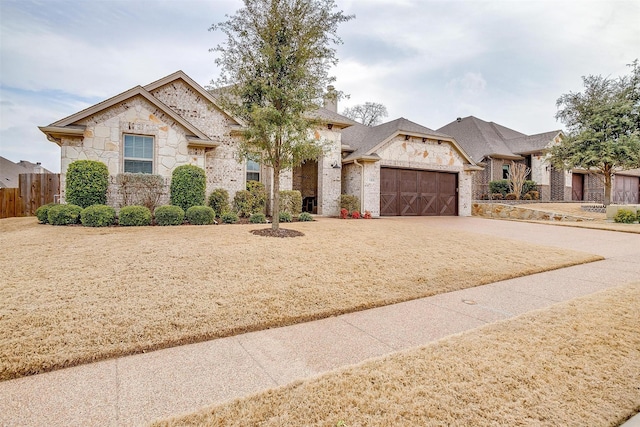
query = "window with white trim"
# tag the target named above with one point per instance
(253, 171)
(138, 154)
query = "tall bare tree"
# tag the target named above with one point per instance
(274, 69)
(369, 113)
(518, 173)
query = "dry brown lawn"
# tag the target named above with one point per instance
(573, 364)
(71, 295)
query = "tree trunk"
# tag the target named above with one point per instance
(607, 188)
(275, 209)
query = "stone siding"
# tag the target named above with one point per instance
(329, 186)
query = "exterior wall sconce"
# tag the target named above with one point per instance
(439, 142)
(330, 126)
(424, 139)
(335, 164)
(406, 137)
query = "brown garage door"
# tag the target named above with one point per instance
(418, 193)
(626, 189)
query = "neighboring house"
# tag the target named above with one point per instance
(10, 171)
(494, 146)
(174, 121)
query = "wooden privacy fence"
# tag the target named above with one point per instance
(35, 190)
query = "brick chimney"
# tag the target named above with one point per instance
(331, 99)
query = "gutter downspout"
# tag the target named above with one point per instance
(355, 162)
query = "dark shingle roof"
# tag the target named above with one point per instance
(481, 139)
(363, 138)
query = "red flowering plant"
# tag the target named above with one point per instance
(344, 213)
(355, 214)
(367, 215)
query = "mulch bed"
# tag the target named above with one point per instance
(281, 232)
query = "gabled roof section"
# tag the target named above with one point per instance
(181, 75)
(479, 138)
(68, 125)
(488, 139)
(366, 140)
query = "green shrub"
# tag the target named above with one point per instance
(134, 216)
(285, 217)
(501, 186)
(43, 212)
(219, 201)
(625, 216)
(188, 185)
(349, 202)
(257, 218)
(229, 217)
(98, 216)
(305, 216)
(638, 217)
(291, 202)
(169, 215)
(64, 214)
(242, 203)
(87, 183)
(529, 186)
(258, 196)
(200, 215)
(252, 200)
(142, 189)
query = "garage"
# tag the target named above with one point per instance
(626, 189)
(409, 192)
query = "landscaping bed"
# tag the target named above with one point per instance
(74, 295)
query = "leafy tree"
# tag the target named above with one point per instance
(369, 113)
(274, 70)
(603, 127)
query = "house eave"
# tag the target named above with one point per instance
(202, 143)
(472, 168)
(56, 133)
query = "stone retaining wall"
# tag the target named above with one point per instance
(504, 211)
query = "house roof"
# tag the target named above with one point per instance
(488, 139)
(332, 117)
(10, 171)
(366, 140)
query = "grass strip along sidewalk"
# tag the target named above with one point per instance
(72, 295)
(575, 363)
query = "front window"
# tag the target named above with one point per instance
(505, 171)
(253, 171)
(138, 154)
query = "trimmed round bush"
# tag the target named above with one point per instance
(625, 216)
(257, 218)
(305, 216)
(349, 202)
(285, 217)
(510, 196)
(169, 215)
(98, 216)
(87, 183)
(188, 183)
(134, 216)
(42, 213)
(64, 214)
(229, 217)
(219, 201)
(200, 215)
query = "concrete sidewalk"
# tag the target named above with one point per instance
(138, 389)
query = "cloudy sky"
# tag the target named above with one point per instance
(427, 61)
